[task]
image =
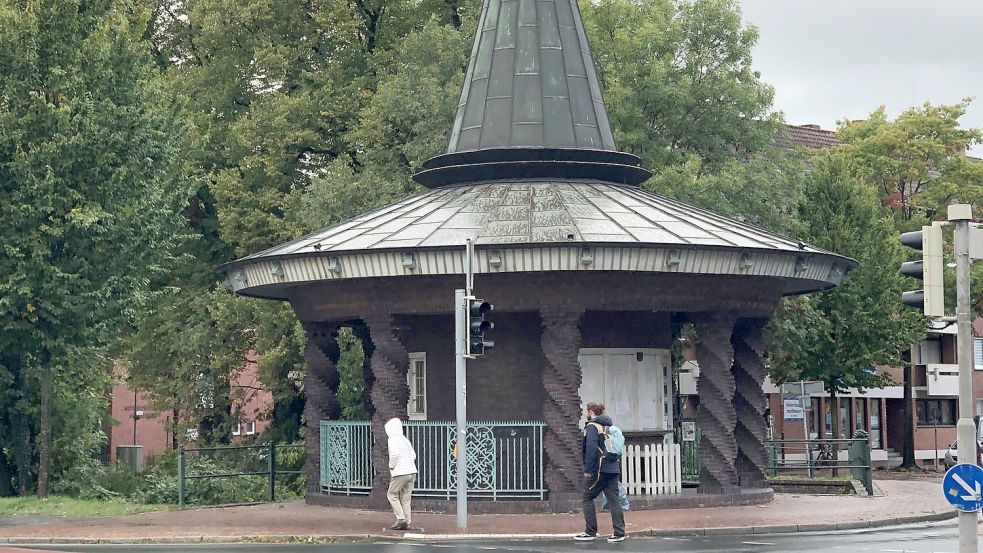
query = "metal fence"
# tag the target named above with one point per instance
(234, 461)
(826, 457)
(505, 458)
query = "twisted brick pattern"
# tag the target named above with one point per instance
(716, 417)
(321, 390)
(749, 403)
(560, 343)
(390, 392)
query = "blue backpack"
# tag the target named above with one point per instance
(614, 442)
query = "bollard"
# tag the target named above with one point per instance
(272, 463)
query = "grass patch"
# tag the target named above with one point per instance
(66, 506)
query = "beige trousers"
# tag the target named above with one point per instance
(400, 490)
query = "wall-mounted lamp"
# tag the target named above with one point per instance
(586, 255)
(801, 265)
(672, 258)
(746, 262)
(277, 269)
(334, 265)
(409, 261)
(495, 258)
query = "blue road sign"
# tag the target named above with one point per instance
(961, 487)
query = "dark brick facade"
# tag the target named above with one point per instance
(542, 320)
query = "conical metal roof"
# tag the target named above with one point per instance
(533, 177)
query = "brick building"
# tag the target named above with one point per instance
(154, 430)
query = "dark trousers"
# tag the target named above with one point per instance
(608, 485)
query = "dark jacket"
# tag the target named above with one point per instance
(593, 446)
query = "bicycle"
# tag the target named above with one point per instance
(825, 456)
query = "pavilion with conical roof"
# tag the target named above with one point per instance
(591, 275)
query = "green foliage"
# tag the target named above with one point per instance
(350, 366)
(916, 161)
(678, 81)
(89, 212)
(841, 336)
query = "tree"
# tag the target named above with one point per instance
(839, 337)
(678, 80)
(918, 165)
(917, 162)
(90, 203)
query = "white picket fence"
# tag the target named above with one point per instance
(654, 469)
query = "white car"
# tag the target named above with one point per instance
(950, 459)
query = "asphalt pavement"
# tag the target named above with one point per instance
(936, 538)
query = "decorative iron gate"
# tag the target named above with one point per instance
(505, 459)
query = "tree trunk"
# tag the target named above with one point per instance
(44, 440)
(908, 441)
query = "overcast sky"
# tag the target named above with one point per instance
(835, 59)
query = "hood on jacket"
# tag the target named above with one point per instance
(602, 420)
(395, 428)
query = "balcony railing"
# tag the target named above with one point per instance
(505, 458)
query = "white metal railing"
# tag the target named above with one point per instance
(652, 469)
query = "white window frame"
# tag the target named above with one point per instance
(237, 429)
(250, 428)
(978, 354)
(416, 360)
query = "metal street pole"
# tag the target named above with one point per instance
(805, 419)
(960, 216)
(461, 387)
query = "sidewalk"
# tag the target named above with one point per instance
(903, 502)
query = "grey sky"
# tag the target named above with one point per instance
(840, 59)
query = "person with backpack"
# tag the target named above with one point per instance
(602, 449)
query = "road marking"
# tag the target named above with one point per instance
(756, 543)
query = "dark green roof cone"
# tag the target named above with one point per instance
(531, 104)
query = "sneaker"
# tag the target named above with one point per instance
(584, 536)
(616, 539)
(400, 525)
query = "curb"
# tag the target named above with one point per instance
(356, 538)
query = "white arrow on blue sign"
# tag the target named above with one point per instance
(961, 487)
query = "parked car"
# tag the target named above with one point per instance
(950, 459)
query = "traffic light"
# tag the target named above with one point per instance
(478, 325)
(930, 298)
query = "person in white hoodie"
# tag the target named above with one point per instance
(402, 468)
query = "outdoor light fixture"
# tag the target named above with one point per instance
(746, 262)
(586, 256)
(409, 261)
(334, 265)
(672, 258)
(801, 265)
(277, 270)
(495, 258)
(241, 277)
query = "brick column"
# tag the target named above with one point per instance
(750, 402)
(561, 379)
(716, 416)
(320, 389)
(390, 392)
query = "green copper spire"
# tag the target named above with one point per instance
(531, 103)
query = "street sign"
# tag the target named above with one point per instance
(793, 409)
(961, 487)
(808, 387)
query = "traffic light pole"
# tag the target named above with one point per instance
(461, 383)
(960, 216)
(461, 402)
